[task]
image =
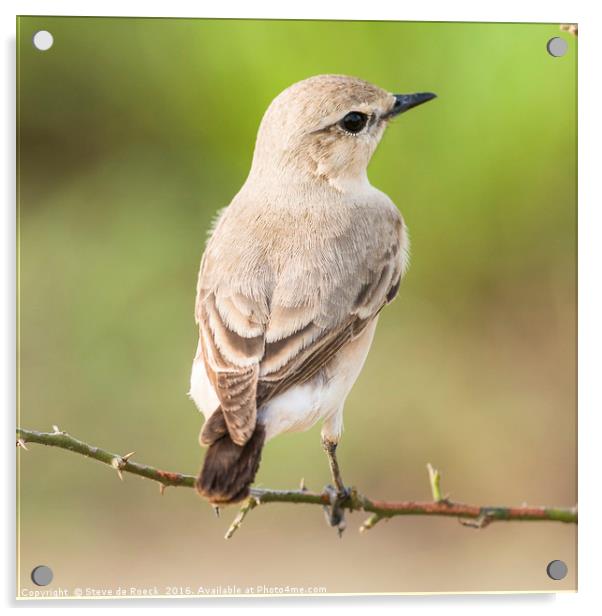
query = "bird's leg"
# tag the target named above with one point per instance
(335, 514)
(330, 447)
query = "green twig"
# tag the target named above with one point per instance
(371, 522)
(435, 481)
(244, 510)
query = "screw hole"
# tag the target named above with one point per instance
(557, 569)
(42, 575)
(43, 40)
(557, 47)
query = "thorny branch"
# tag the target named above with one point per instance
(570, 28)
(476, 516)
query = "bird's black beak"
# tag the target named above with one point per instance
(403, 102)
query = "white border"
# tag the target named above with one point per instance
(585, 13)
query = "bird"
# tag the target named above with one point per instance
(294, 275)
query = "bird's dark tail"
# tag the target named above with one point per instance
(229, 469)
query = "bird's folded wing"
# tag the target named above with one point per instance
(262, 333)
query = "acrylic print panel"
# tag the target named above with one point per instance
(132, 135)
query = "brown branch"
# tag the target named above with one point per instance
(477, 516)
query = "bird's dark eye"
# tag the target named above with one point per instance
(353, 122)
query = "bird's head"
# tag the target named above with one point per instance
(327, 127)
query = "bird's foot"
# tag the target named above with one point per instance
(335, 512)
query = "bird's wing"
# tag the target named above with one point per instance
(267, 326)
(231, 331)
(317, 309)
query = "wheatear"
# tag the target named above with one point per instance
(293, 278)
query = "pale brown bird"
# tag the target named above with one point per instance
(293, 278)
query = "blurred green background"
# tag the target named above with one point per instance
(132, 133)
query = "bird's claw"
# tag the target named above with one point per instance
(335, 512)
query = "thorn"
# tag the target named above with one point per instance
(118, 463)
(216, 510)
(127, 456)
(21, 443)
(482, 521)
(302, 486)
(55, 429)
(162, 489)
